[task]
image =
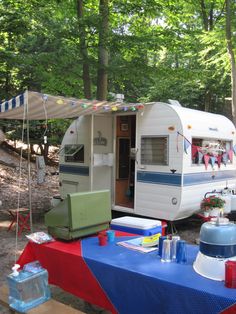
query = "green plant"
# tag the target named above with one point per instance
(211, 202)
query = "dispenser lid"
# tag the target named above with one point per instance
(218, 231)
(219, 220)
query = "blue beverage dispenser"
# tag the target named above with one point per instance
(29, 287)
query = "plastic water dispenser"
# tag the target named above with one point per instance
(29, 287)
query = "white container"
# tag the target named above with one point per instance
(233, 202)
(137, 225)
(135, 222)
(227, 207)
(211, 267)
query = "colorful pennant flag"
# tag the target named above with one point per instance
(225, 158)
(230, 155)
(206, 160)
(186, 145)
(212, 161)
(199, 157)
(194, 151)
(219, 159)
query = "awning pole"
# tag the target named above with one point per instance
(92, 152)
(28, 161)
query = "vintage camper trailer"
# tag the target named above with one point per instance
(157, 161)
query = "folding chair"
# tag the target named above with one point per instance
(23, 218)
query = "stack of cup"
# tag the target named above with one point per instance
(166, 255)
(172, 248)
(160, 245)
(181, 252)
(175, 239)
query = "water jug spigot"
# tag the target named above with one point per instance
(15, 270)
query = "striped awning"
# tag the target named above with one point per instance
(43, 106)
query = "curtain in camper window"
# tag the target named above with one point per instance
(154, 150)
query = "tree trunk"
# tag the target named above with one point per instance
(231, 57)
(207, 100)
(84, 51)
(44, 148)
(102, 76)
(204, 15)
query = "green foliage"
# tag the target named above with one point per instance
(54, 130)
(157, 50)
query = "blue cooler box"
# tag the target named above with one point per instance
(137, 225)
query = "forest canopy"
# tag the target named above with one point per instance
(148, 50)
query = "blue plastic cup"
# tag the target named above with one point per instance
(160, 245)
(166, 251)
(111, 235)
(175, 239)
(181, 252)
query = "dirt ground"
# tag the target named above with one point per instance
(13, 191)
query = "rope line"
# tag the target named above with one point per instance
(19, 184)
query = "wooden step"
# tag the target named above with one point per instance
(48, 307)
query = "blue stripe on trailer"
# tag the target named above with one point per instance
(81, 170)
(208, 177)
(189, 179)
(159, 178)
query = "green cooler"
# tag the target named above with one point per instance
(80, 214)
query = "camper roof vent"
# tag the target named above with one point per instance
(174, 102)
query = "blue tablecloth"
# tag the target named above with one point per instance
(141, 283)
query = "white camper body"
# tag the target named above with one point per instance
(145, 158)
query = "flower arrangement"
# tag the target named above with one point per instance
(211, 202)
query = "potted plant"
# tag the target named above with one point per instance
(213, 205)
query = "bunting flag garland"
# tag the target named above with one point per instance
(230, 154)
(200, 156)
(206, 160)
(219, 159)
(213, 152)
(212, 161)
(186, 145)
(224, 158)
(194, 151)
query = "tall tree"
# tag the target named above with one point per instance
(84, 50)
(231, 57)
(102, 75)
(210, 13)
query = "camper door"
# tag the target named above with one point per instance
(102, 152)
(152, 188)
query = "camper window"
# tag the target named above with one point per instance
(154, 150)
(213, 148)
(74, 153)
